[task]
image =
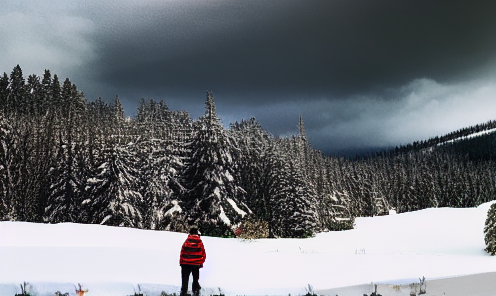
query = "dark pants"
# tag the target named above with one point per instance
(185, 271)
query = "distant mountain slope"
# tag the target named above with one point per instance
(478, 142)
(478, 146)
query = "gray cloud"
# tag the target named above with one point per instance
(39, 36)
(420, 110)
(362, 73)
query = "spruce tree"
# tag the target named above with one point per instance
(490, 230)
(4, 92)
(46, 91)
(17, 99)
(113, 197)
(275, 184)
(7, 156)
(214, 200)
(253, 144)
(65, 185)
(33, 96)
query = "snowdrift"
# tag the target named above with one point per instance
(388, 251)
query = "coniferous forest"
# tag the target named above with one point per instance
(65, 159)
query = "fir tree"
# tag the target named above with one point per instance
(34, 99)
(490, 230)
(17, 99)
(158, 173)
(46, 91)
(4, 92)
(114, 198)
(253, 143)
(275, 190)
(7, 155)
(214, 200)
(65, 186)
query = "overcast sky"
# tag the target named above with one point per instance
(363, 74)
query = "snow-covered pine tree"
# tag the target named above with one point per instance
(7, 154)
(253, 142)
(214, 200)
(65, 188)
(275, 185)
(301, 206)
(287, 206)
(158, 170)
(68, 172)
(159, 134)
(490, 230)
(302, 199)
(115, 200)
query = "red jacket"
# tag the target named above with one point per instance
(193, 252)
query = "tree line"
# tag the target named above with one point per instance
(64, 159)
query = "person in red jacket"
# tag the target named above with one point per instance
(192, 257)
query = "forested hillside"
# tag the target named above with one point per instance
(65, 159)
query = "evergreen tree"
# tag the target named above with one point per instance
(300, 206)
(54, 99)
(275, 184)
(33, 96)
(214, 200)
(114, 198)
(490, 230)
(66, 188)
(253, 142)
(158, 179)
(7, 171)
(17, 99)
(46, 91)
(4, 92)
(68, 173)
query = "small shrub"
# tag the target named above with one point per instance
(139, 292)
(252, 228)
(80, 291)
(177, 223)
(215, 229)
(310, 291)
(24, 291)
(340, 225)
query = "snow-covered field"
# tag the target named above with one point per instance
(389, 251)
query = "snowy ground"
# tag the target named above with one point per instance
(389, 251)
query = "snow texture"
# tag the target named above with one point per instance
(235, 207)
(388, 250)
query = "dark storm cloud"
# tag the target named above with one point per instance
(307, 48)
(355, 70)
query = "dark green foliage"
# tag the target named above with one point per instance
(63, 158)
(215, 228)
(213, 198)
(490, 230)
(340, 225)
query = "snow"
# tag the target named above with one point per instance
(486, 132)
(93, 180)
(224, 217)
(388, 251)
(175, 208)
(217, 192)
(235, 207)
